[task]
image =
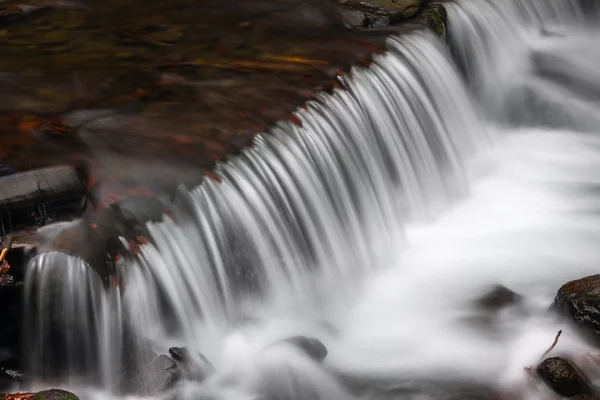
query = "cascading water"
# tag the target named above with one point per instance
(74, 330)
(320, 206)
(340, 228)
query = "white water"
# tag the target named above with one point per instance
(375, 225)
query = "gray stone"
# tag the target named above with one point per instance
(314, 348)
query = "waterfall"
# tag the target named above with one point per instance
(322, 205)
(373, 222)
(73, 325)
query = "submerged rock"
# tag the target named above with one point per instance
(194, 368)
(416, 389)
(54, 394)
(565, 378)
(158, 375)
(497, 298)
(314, 348)
(12, 369)
(579, 301)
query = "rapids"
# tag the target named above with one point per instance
(437, 173)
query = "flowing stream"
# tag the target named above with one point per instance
(438, 172)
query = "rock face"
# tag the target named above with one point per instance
(55, 394)
(579, 301)
(565, 378)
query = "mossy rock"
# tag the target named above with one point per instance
(398, 9)
(435, 18)
(55, 394)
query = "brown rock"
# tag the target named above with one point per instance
(498, 297)
(565, 378)
(579, 301)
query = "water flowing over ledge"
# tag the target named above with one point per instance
(285, 242)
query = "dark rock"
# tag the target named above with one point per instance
(497, 298)
(11, 312)
(158, 375)
(565, 378)
(579, 301)
(314, 348)
(55, 394)
(399, 9)
(353, 17)
(435, 17)
(38, 197)
(12, 369)
(194, 368)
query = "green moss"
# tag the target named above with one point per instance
(435, 18)
(55, 394)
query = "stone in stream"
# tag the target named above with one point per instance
(398, 9)
(435, 17)
(54, 394)
(313, 348)
(11, 369)
(565, 378)
(497, 298)
(579, 302)
(158, 375)
(193, 369)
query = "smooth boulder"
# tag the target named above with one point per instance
(579, 301)
(565, 378)
(497, 298)
(312, 347)
(54, 394)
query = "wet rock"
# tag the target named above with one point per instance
(157, 376)
(11, 312)
(12, 369)
(353, 17)
(435, 17)
(55, 394)
(314, 348)
(565, 378)
(497, 298)
(579, 301)
(400, 9)
(382, 12)
(194, 368)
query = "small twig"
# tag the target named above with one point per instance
(551, 347)
(5, 250)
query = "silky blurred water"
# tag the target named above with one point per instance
(375, 226)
